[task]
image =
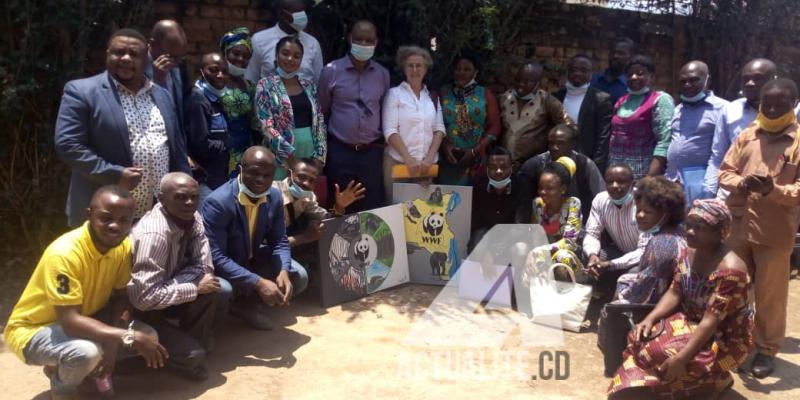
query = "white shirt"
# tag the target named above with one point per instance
(572, 104)
(149, 143)
(414, 119)
(262, 63)
(620, 223)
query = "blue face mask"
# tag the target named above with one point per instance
(203, 84)
(527, 97)
(694, 99)
(236, 71)
(361, 53)
(244, 189)
(624, 200)
(286, 75)
(299, 193)
(299, 21)
(500, 184)
(640, 91)
(655, 228)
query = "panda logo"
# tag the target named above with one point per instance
(365, 249)
(433, 224)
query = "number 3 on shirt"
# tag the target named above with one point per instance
(63, 283)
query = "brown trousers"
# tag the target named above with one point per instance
(769, 272)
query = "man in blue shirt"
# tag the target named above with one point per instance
(693, 126)
(246, 231)
(613, 80)
(735, 117)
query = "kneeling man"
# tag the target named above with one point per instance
(246, 230)
(74, 315)
(173, 277)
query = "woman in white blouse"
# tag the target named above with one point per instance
(412, 118)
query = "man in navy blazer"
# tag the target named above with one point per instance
(96, 137)
(246, 231)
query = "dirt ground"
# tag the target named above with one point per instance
(359, 351)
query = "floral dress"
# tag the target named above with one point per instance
(722, 293)
(665, 252)
(562, 230)
(238, 107)
(276, 120)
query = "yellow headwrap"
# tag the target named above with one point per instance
(569, 164)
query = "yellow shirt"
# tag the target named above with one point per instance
(71, 272)
(251, 211)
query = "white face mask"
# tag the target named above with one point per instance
(572, 89)
(235, 71)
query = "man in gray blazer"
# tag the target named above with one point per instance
(118, 128)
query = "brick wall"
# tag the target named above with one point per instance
(205, 21)
(557, 31)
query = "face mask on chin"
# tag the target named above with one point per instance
(286, 75)
(622, 201)
(236, 71)
(775, 125)
(501, 184)
(244, 189)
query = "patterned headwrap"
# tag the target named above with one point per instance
(569, 164)
(238, 36)
(714, 212)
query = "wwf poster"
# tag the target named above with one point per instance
(362, 253)
(437, 222)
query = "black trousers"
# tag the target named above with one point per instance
(192, 338)
(345, 164)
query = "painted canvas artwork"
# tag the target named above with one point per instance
(362, 253)
(437, 225)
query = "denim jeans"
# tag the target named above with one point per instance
(73, 358)
(297, 275)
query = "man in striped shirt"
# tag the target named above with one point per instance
(172, 285)
(613, 243)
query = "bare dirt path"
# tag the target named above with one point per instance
(357, 351)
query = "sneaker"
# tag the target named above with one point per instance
(763, 366)
(254, 314)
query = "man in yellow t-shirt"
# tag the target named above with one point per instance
(54, 322)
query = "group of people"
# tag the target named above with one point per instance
(189, 202)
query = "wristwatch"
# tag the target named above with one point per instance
(127, 337)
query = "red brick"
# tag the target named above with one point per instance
(212, 12)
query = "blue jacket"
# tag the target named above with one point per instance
(228, 235)
(92, 138)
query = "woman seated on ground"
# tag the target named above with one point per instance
(558, 214)
(660, 206)
(707, 322)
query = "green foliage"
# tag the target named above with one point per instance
(44, 44)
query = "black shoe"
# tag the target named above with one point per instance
(196, 374)
(254, 315)
(763, 366)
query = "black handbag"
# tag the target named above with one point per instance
(616, 321)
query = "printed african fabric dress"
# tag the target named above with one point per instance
(722, 293)
(562, 230)
(664, 252)
(640, 129)
(238, 107)
(464, 111)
